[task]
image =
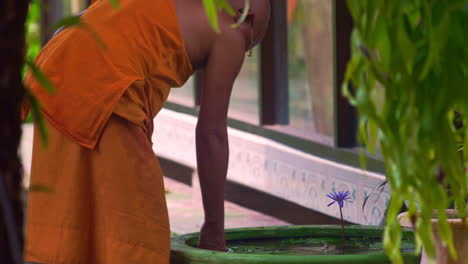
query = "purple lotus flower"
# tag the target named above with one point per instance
(339, 197)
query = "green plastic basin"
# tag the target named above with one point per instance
(184, 250)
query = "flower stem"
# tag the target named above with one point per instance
(342, 229)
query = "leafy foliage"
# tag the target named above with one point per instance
(212, 7)
(40, 76)
(33, 41)
(33, 38)
(414, 53)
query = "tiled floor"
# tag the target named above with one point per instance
(186, 211)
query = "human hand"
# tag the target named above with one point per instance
(212, 237)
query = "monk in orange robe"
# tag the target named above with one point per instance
(107, 202)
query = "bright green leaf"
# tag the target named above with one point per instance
(37, 115)
(71, 21)
(114, 4)
(210, 9)
(40, 77)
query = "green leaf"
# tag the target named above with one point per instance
(406, 47)
(382, 42)
(372, 135)
(224, 5)
(76, 21)
(210, 9)
(37, 115)
(446, 232)
(114, 4)
(40, 77)
(71, 21)
(96, 36)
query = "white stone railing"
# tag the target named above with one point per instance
(276, 169)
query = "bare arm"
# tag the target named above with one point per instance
(223, 66)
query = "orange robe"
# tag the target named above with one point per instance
(106, 203)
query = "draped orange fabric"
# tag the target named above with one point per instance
(106, 203)
(92, 66)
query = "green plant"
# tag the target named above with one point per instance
(414, 53)
(33, 31)
(212, 7)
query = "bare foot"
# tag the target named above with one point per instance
(212, 238)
